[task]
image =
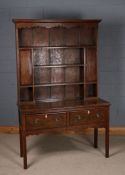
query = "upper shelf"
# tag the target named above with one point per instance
(58, 84)
(60, 65)
(58, 36)
(57, 47)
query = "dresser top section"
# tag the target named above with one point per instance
(56, 20)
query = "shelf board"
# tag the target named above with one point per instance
(27, 102)
(57, 84)
(26, 86)
(57, 47)
(92, 82)
(60, 65)
(64, 103)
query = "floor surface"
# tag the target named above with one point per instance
(62, 155)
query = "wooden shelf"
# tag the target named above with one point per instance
(58, 84)
(26, 86)
(63, 104)
(60, 65)
(57, 47)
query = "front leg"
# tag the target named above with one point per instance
(24, 151)
(96, 137)
(21, 142)
(107, 142)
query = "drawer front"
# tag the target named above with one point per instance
(45, 121)
(92, 115)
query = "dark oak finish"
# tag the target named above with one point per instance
(95, 137)
(26, 75)
(45, 121)
(57, 79)
(91, 71)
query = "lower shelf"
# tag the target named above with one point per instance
(58, 93)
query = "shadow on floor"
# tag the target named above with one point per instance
(52, 144)
(47, 145)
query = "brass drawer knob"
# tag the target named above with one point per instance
(57, 119)
(46, 116)
(36, 121)
(88, 112)
(78, 117)
(97, 115)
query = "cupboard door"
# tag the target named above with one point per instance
(25, 67)
(91, 67)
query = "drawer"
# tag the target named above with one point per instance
(45, 121)
(92, 115)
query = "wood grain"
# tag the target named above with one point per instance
(26, 75)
